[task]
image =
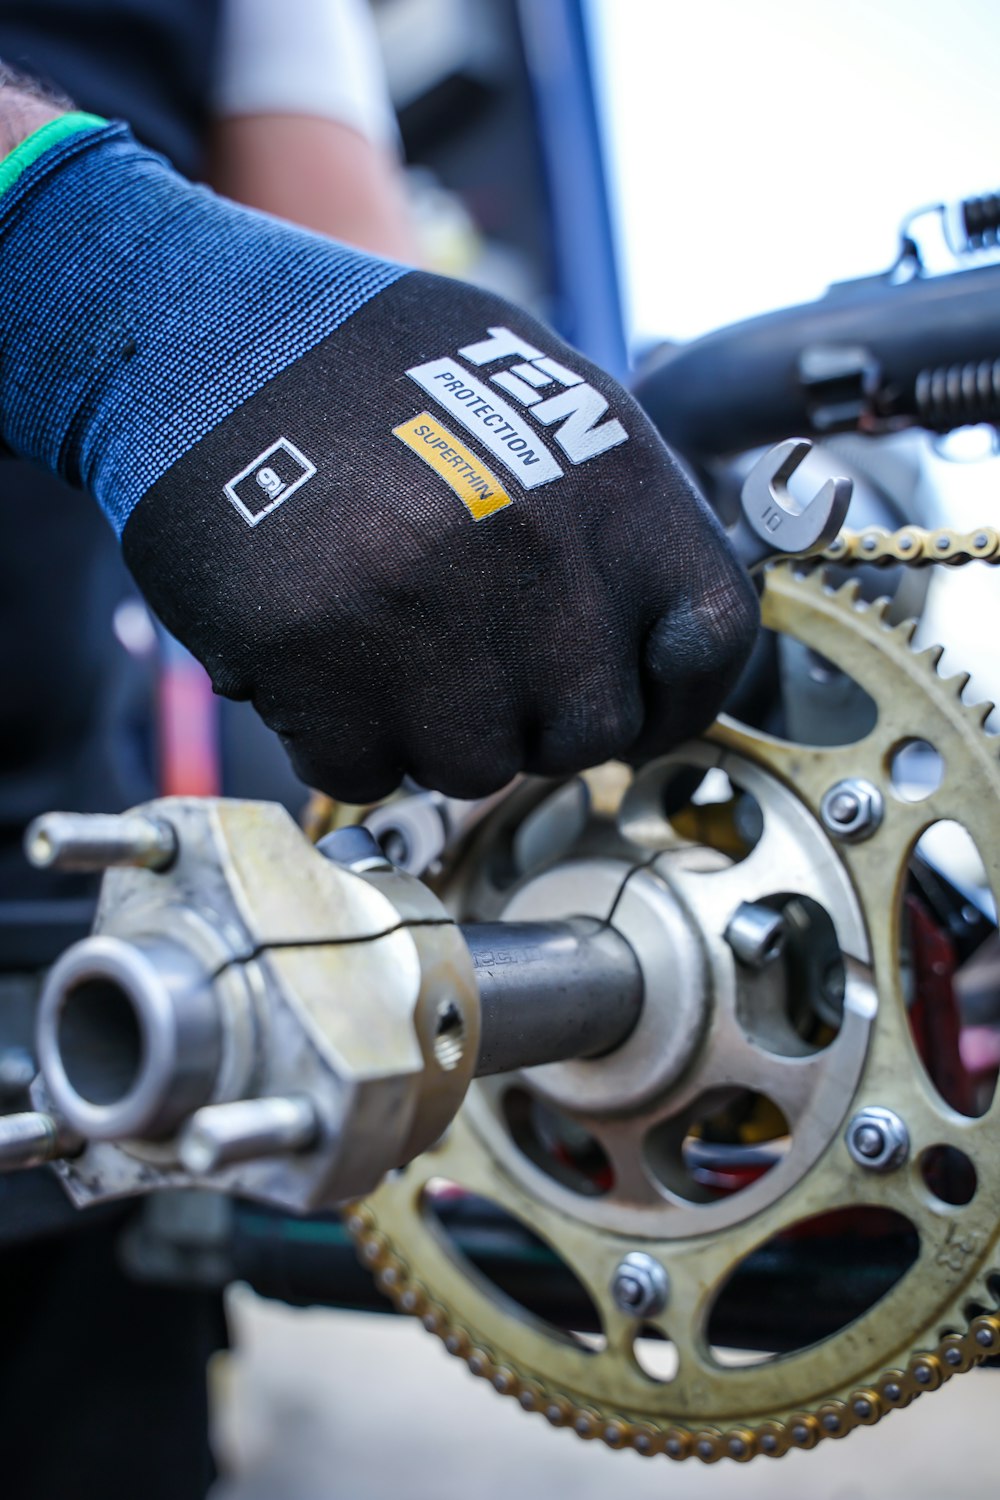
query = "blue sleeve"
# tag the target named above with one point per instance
(138, 311)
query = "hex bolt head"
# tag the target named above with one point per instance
(852, 809)
(756, 934)
(877, 1139)
(640, 1286)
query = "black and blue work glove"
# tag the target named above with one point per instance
(417, 530)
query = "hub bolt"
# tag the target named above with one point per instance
(756, 934)
(852, 809)
(877, 1140)
(640, 1286)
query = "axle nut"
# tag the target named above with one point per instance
(877, 1140)
(852, 809)
(640, 1286)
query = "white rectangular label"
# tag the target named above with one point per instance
(488, 417)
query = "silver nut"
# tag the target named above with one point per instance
(877, 1139)
(640, 1286)
(756, 934)
(852, 809)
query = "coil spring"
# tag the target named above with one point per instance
(949, 396)
(981, 221)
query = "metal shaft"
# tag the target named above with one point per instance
(221, 1134)
(551, 991)
(28, 1140)
(96, 841)
(130, 1031)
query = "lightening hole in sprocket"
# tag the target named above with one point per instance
(511, 1263)
(949, 1174)
(809, 1282)
(656, 1354)
(793, 692)
(945, 936)
(916, 770)
(557, 1144)
(725, 1143)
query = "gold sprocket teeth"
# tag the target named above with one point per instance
(894, 1389)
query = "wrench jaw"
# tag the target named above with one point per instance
(772, 523)
(834, 499)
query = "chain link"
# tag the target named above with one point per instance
(914, 547)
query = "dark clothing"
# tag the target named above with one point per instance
(149, 62)
(61, 670)
(102, 1380)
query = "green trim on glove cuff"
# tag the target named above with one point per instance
(40, 140)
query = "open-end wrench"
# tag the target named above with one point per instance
(771, 524)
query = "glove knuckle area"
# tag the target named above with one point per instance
(468, 752)
(709, 633)
(355, 779)
(594, 716)
(694, 654)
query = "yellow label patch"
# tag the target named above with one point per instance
(479, 491)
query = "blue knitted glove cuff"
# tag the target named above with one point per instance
(137, 311)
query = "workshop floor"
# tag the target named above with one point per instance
(339, 1406)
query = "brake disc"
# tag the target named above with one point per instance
(940, 1318)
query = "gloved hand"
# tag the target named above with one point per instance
(422, 534)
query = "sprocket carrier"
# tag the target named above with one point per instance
(932, 1323)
